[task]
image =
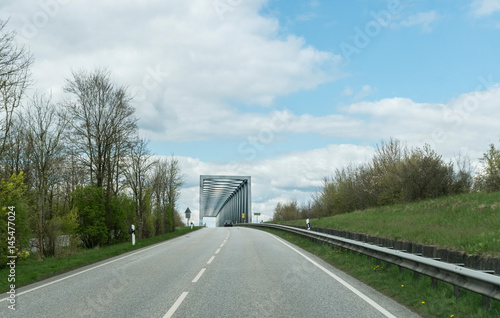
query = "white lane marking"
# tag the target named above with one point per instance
(225, 241)
(84, 271)
(221, 245)
(343, 282)
(211, 259)
(176, 305)
(218, 250)
(199, 275)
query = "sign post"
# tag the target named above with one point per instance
(188, 215)
(257, 215)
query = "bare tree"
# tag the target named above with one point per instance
(174, 182)
(45, 126)
(137, 167)
(15, 63)
(103, 124)
(158, 181)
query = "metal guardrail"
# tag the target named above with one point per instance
(485, 284)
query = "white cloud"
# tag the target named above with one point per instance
(185, 61)
(421, 19)
(348, 91)
(365, 91)
(481, 8)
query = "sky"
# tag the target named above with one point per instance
(283, 91)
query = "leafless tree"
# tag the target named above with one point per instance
(175, 180)
(103, 125)
(15, 63)
(45, 127)
(138, 164)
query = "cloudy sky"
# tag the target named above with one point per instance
(285, 91)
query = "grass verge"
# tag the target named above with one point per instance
(32, 270)
(468, 222)
(419, 295)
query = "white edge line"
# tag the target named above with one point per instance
(84, 271)
(343, 282)
(211, 259)
(199, 275)
(176, 305)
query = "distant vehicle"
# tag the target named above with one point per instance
(228, 223)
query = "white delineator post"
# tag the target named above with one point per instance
(133, 234)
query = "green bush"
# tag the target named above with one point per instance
(122, 216)
(90, 206)
(13, 194)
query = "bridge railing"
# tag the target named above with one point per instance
(480, 282)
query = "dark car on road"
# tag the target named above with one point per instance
(228, 223)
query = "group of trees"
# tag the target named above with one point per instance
(77, 166)
(396, 174)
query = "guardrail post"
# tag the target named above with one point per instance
(457, 291)
(434, 282)
(486, 302)
(416, 276)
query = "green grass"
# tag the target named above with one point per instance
(469, 223)
(31, 270)
(419, 296)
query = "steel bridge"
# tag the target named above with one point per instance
(226, 198)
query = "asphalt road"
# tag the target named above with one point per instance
(221, 272)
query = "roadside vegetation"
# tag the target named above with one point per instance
(397, 174)
(419, 296)
(75, 166)
(465, 222)
(31, 270)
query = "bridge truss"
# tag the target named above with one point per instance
(226, 198)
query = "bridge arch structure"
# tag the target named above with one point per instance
(226, 198)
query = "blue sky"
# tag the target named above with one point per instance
(284, 91)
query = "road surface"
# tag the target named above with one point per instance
(212, 272)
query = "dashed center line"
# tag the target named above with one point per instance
(176, 305)
(221, 245)
(199, 275)
(211, 259)
(218, 250)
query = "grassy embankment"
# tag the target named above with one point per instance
(469, 223)
(31, 270)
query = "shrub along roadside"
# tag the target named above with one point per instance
(32, 270)
(419, 296)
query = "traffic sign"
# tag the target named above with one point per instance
(188, 213)
(256, 214)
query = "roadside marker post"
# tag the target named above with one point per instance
(132, 231)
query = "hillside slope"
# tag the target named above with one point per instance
(469, 223)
